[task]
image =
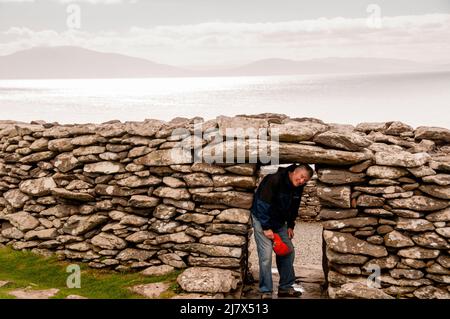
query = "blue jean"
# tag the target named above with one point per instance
(285, 264)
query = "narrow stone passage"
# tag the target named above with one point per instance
(308, 263)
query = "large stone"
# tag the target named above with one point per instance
(336, 196)
(213, 169)
(45, 234)
(16, 198)
(419, 203)
(37, 157)
(414, 225)
(421, 171)
(437, 191)
(34, 294)
(360, 291)
(147, 128)
(108, 241)
(79, 225)
(179, 238)
(140, 236)
(348, 244)
(234, 215)
(397, 128)
(369, 201)
(195, 218)
(379, 190)
(142, 201)
(60, 211)
(368, 127)
(64, 193)
(345, 259)
(234, 181)
(348, 141)
(397, 240)
(440, 179)
(291, 153)
(12, 233)
(173, 182)
(38, 187)
(386, 172)
(401, 158)
(85, 140)
(444, 231)
(216, 262)
(431, 240)
(22, 221)
(66, 162)
(240, 126)
(132, 220)
(419, 253)
(163, 227)
(224, 240)
(135, 254)
(442, 279)
(430, 292)
(198, 180)
(60, 145)
(407, 213)
(444, 261)
(240, 151)
(104, 168)
(173, 193)
(406, 274)
(210, 250)
(440, 216)
(339, 176)
(231, 198)
(39, 145)
(151, 291)
(440, 165)
(357, 222)
(166, 157)
(164, 211)
(387, 262)
(242, 169)
(135, 181)
(112, 190)
(328, 213)
(433, 133)
(173, 260)
(219, 228)
(294, 131)
(206, 279)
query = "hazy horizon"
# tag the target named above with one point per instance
(204, 34)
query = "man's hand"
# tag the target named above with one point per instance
(269, 234)
(290, 232)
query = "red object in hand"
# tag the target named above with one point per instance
(279, 246)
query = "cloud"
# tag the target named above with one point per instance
(420, 38)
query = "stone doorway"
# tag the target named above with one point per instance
(308, 247)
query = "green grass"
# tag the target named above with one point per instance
(24, 269)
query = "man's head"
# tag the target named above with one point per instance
(300, 174)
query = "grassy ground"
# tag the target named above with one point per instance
(25, 269)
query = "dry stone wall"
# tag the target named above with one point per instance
(154, 196)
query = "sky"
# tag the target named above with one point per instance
(219, 33)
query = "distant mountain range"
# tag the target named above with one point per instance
(74, 62)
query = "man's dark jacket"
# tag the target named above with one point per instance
(276, 200)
